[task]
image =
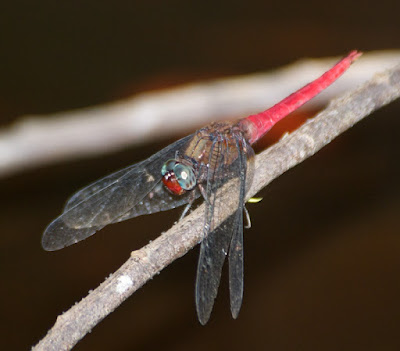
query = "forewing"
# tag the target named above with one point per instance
(236, 252)
(158, 199)
(215, 246)
(213, 251)
(85, 193)
(125, 194)
(236, 263)
(229, 235)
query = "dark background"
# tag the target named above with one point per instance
(322, 258)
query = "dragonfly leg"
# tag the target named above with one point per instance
(203, 193)
(248, 220)
(185, 210)
(189, 205)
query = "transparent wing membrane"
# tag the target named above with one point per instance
(236, 259)
(226, 237)
(130, 192)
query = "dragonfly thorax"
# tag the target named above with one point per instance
(178, 177)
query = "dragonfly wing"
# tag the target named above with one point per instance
(158, 199)
(132, 190)
(214, 247)
(85, 193)
(213, 251)
(236, 259)
(236, 264)
(229, 235)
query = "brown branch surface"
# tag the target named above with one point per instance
(143, 264)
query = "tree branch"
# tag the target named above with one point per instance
(143, 264)
(106, 128)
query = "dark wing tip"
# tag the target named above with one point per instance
(59, 235)
(48, 245)
(203, 320)
(203, 313)
(235, 311)
(53, 238)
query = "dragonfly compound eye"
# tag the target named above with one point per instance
(168, 166)
(177, 177)
(185, 176)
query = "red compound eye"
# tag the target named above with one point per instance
(172, 184)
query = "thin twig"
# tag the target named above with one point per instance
(37, 140)
(143, 264)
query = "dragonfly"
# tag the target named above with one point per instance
(198, 165)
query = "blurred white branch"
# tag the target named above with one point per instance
(143, 264)
(36, 140)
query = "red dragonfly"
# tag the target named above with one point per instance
(197, 165)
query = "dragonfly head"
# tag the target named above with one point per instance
(178, 177)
